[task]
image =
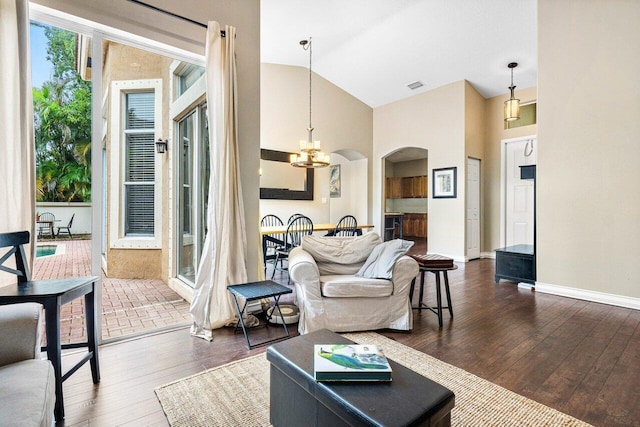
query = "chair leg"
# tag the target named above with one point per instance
(275, 265)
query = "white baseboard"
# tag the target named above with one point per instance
(587, 295)
(490, 255)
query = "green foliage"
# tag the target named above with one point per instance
(62, 112)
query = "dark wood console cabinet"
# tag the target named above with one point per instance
(516, 263)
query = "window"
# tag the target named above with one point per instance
(135, 181)
(528, 116)
(187, 76)
(139, 168)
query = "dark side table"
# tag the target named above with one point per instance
(438, 308)
(52, 294)
(258, 290)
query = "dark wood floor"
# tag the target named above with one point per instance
(578, 357)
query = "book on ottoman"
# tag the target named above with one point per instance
(433, 261)
(353, 362)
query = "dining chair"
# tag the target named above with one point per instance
(294, 216)
(67, 228)
(45, 224)
(270, 242)
(296, 229)
(347, 226)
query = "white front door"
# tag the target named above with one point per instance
(518, 192)
(473, 208)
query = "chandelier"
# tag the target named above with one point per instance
(512, 105)
(310, 154)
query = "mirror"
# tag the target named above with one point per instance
(280, 180)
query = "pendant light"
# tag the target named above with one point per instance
(310, 155)
(512, 105)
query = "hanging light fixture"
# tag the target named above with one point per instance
(310, 155)
(512, 105)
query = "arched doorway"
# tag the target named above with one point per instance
(405, 196)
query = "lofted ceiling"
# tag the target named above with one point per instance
(373, 49)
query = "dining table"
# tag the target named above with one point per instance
(282, 229)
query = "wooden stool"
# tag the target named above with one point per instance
(437, 309)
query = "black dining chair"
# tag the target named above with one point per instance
(296, 229)
(347, 226)
(67, 228)
(294, 216)
(271, 242)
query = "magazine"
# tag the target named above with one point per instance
(353, 362)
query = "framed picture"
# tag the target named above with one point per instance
(334, 181)
(444, 183)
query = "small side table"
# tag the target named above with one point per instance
(437, 309)
(52, 294)
(254, 291)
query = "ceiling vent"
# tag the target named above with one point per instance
(415, 85)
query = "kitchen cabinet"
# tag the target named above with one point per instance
(415, 224)
(393, 188)
(409, 187)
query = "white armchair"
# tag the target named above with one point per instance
(27, 383)
(330, 296)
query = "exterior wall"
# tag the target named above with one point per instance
(127, 63)
(64, 210)
(490, 166)
(588, 151)
(435, 121)
(341, 122)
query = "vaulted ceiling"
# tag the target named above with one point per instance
(373, 48)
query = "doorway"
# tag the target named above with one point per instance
(517, 194)
(473, 208)
(405, 195)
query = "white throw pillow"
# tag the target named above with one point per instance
(380, 263)
(340, 250)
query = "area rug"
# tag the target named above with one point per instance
(237, 394)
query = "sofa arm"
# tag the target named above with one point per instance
(404, 271)
(19, 332)
(302, 266)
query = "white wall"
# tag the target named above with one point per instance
(435, 121)
(353, 194)
(341, 122)
(588, 194)
(63, 212)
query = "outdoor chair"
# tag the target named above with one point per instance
(67, 228)
(296, 229)
(271, 242)
(45, 224)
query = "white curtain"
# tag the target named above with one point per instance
(17, 147)
(224, 255)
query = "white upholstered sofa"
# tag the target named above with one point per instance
(330, 296)
(27, 383)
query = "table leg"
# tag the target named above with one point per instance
(439, 296)
(241, 320)
(54, 350)
(446, 288)
(92, 341)
(421, 295)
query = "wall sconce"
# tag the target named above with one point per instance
(161, 145)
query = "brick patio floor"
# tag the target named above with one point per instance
(128, 305)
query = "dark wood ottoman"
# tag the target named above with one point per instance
(297, 399)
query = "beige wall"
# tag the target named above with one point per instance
(341, 122)
(588, 150)
(435, 121)
(245, 16)
(491, 163)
